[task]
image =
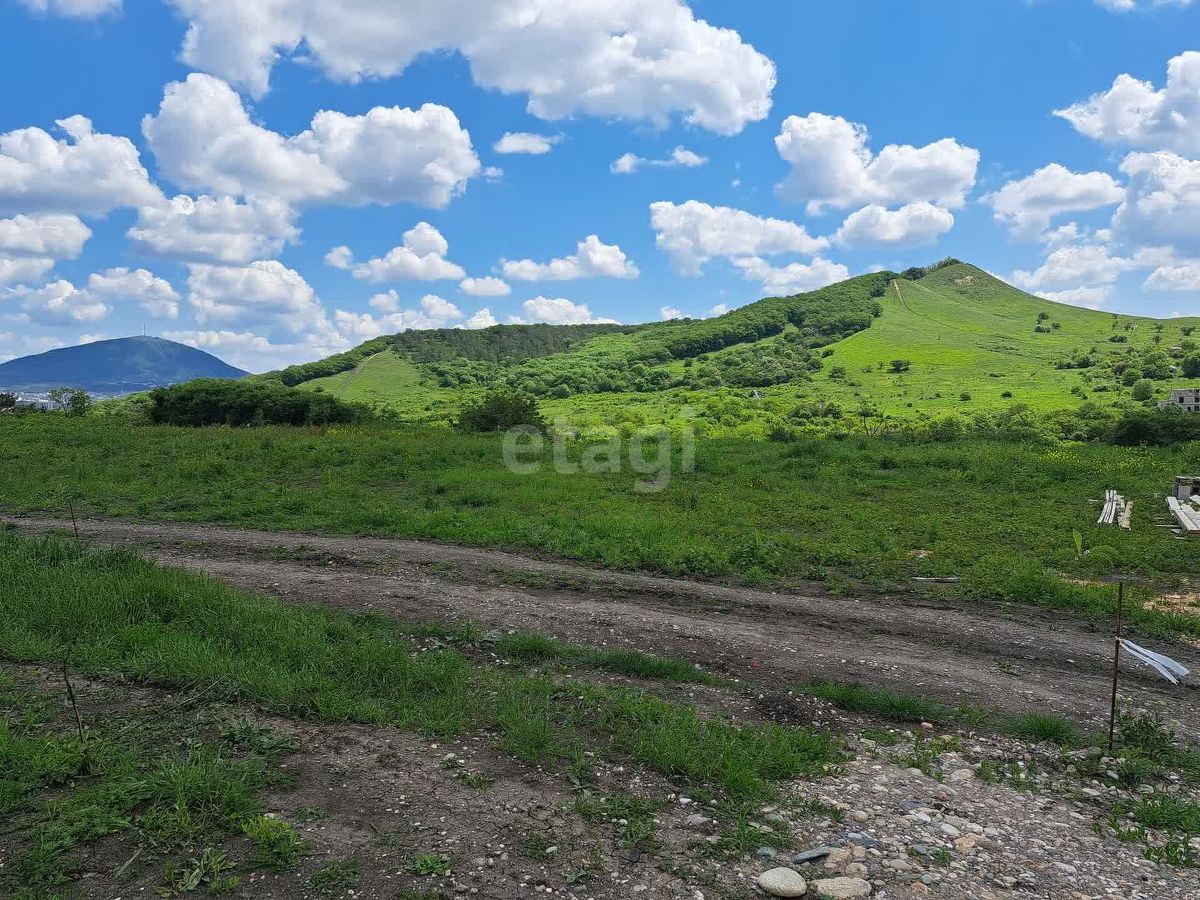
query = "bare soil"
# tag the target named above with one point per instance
(380, 796)
(1000, 655)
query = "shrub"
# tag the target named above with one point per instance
(218, 401)
(1143, 389)
(500, 411)
(1155, 428)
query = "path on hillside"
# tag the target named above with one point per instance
(1001, 655)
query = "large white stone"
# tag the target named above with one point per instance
(782, 882)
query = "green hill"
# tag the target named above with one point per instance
(950, 338)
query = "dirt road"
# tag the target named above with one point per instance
(1006, 656)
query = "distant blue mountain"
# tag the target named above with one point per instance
(119, 366)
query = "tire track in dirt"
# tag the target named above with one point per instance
(1007, 656)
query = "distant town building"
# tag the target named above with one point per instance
(1182, 399)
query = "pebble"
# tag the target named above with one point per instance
(842, 888)
(783, 882)
(812, 855)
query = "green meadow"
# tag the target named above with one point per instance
(1013, 521)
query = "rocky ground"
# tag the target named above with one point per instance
(920, 812)
(908, 814)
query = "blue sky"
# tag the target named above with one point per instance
(161, 167)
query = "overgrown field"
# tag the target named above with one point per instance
(109, 613)
(1012, 521)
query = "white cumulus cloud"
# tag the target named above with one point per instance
(680, 157)
(642, 60)
(151, 293)
(265, 292)
(1133, 113)
(793, 278)
(83, 172)
(487, 286)
(525, 142)
(214, 229)
(592, 259)
(14, 270)
(692, 233)
(421, 257)
(557, 311)
(1162, 202)
(61, 303)
(912, 225)
(1086, 264)
(258, 353)
(1090, 297)
(1175, 278)
(55, 236)
(204, 139)
(832, 167)
(1027, 205)
(432, 312)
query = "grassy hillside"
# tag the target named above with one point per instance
(951, 340)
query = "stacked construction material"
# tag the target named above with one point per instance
(1116, 510)
(1187, 514)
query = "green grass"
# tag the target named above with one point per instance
(274, 843)
(632, 817)
(1043, 727)
(336, 877)
(881, 702)
(531, 647)
(386, 377)
(870, 510)
(898, 706)
(163, 781)
(1167, 813)
(121, 615)
(426, 864)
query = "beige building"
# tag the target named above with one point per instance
(1182, 399)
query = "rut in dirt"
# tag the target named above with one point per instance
(1005, 656)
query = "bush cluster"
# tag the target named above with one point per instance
(500, 411)
(217, 401)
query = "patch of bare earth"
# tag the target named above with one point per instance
(909, 815)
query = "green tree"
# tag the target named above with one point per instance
(7, 400)
(74, 401)
(1143, 389)
(500, 411)
(900, 366)
(1191, 366)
